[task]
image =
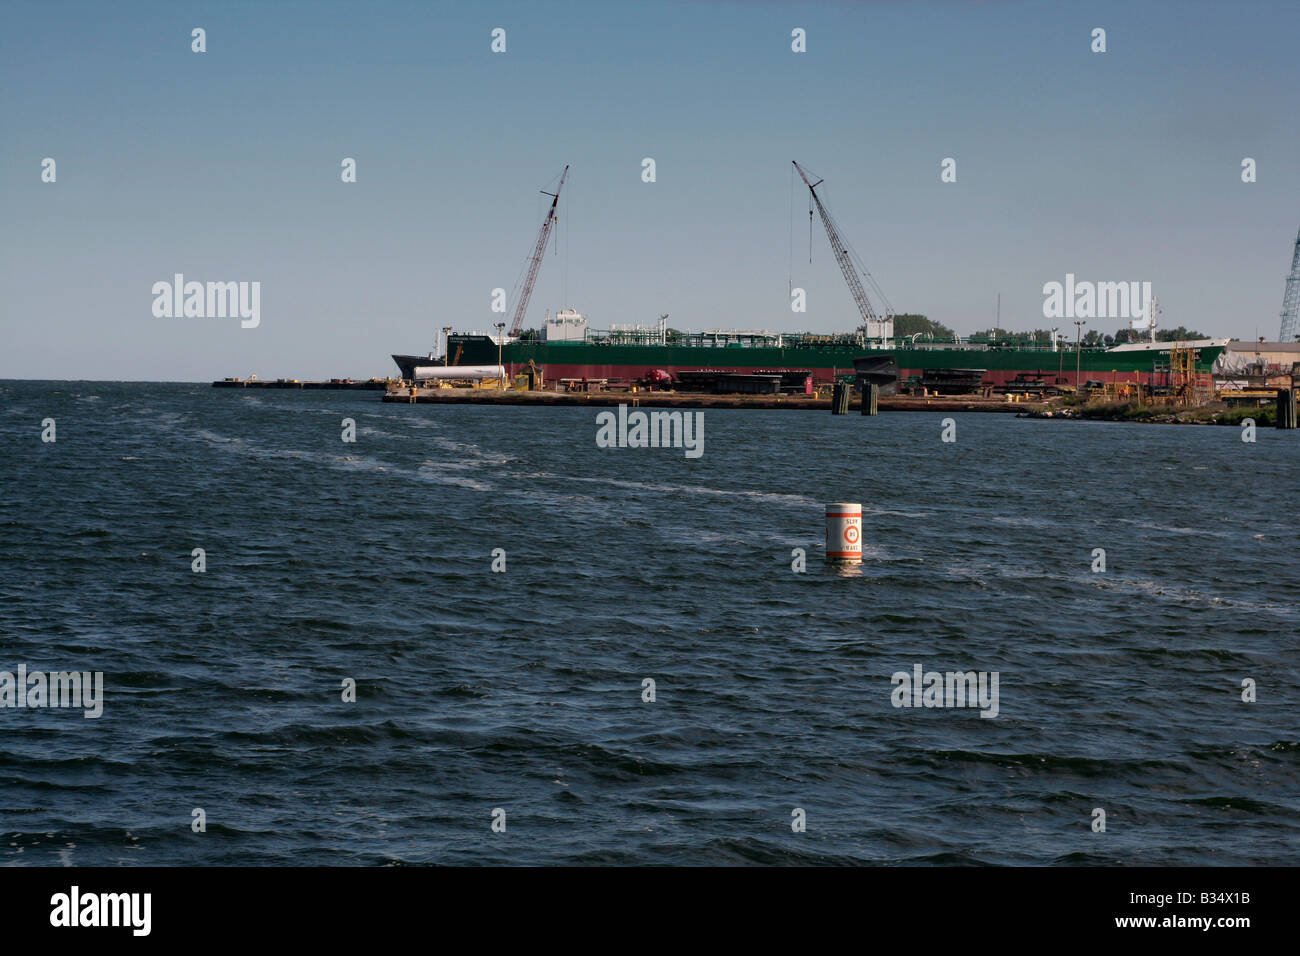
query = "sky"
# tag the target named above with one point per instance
(226, 166)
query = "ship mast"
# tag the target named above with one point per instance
(535, 261)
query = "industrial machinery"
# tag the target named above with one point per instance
(1291, 300)
(535, 260)
(873, 325)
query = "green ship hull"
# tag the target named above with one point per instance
(999, 366)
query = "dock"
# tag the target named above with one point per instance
(406, 394)
(341, 384)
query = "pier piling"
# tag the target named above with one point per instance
(1286, 408)
(840, 399)
(870, 399)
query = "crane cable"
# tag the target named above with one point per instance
(790, 265)
(564, 281)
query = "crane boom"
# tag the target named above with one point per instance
(841, 252)
(1291, 300)
(535, 263)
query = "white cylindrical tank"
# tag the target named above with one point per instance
(458, 371)
(844, 532)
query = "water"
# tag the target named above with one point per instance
(522, 690)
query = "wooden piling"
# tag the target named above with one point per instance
(840, 399)
(1286, 408)
(870, 399)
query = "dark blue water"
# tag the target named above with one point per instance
(522, 690)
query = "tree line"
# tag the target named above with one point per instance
(911, 323)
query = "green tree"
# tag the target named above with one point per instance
(1178, 335)
(1015, 339)
(910, 323)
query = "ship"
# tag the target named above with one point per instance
(635, 355)
(566, 348)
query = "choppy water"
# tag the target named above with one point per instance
(522, 690)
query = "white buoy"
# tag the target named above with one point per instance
(844, 533)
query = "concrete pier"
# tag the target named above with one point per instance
(341, 384)
(647, 399)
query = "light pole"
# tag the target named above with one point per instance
(500, 338)
(1078, 350)
(446, 345)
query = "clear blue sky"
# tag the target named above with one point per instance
(225, 166)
